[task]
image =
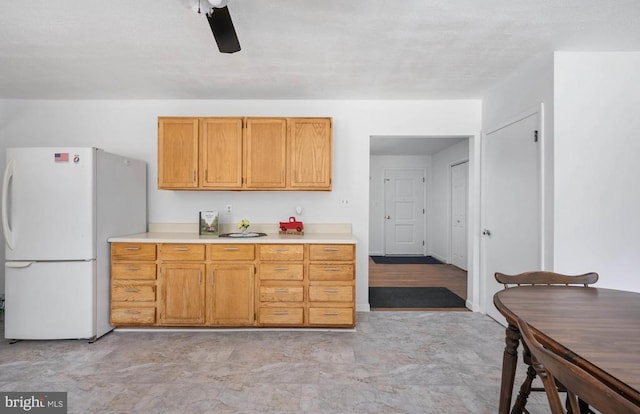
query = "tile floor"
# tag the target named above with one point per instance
(395, 362)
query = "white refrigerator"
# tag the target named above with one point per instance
(59, 207)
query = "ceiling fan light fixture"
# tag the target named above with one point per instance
(218, 4)
(223, 31)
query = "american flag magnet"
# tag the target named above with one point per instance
(61, 157)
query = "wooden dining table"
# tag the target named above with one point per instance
(597, 329)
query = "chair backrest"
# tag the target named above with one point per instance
(577, 381)
(546, 278)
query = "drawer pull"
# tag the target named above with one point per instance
(331, 249)
(282, 249)
(281, 268)
(181, 249)
(331, 291)
(132, 268)
(231, 249)
(132, 248)
(281, 313)
(132, 290)
(331, 269)
(331, 314)
(281, 290)
(132, 312)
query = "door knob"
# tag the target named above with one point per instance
(387, 217)
(486, 232)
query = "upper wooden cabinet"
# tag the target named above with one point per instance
(310, 153)
(178, 153)
(266, 153)
(221, 153)
(244, 153)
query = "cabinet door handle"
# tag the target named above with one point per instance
(132, 312)
(282, 249)
(132, 248)
(231, 249)
(212, 278)
(199, 277)
(281, 290)
(281, 268)
(331, 249)
(331, 314)
(330, 291)
(194, 176)
(132, 290)
(331, 269)
(181, 249)
(132, 268)
(281, 313)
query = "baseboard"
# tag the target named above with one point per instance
(363, 308)
(441, 258)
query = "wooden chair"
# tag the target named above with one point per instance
(578, 383)
(532, 279)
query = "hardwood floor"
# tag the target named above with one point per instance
(419, 275)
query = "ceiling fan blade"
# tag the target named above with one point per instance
(223, 31)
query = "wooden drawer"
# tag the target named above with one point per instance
(330, 293)
(122, 291)
(331, 272)
(331, 316)
(133, 316)
(231, 251)
(281, 316)
(133, 251)
(331, 252)
(136, 271)
(281, 251)
(281, 271)
(181, 251)
(281, 294)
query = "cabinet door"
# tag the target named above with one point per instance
(310, 153)
(182, 293)
(221, 153)
(177, 153)
(265, 153)
(230, 294)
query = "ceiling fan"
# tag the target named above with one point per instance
(221, 25)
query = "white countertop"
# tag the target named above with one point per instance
(189, 237)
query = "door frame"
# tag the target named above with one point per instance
(424, 201)
(539, 111)
(450, 210)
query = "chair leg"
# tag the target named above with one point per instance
(525, 388)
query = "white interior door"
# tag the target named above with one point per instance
(510, 205)
(459, 208)
(404, 230)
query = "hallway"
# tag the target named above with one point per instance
(420, 275)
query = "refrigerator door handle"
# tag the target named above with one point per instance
(18, 265)
(8, 174)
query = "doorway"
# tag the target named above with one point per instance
(434, 155)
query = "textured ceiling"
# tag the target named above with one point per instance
(293, 49)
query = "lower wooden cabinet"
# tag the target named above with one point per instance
(229, 296)
(181, 298)
(232, 285)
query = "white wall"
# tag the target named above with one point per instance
(597, 166)
(376, 193)
(440, 200)
(130, 128)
